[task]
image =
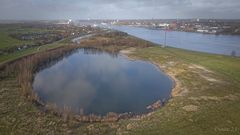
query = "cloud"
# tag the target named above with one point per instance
(118, 9)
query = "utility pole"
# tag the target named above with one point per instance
(165, 38)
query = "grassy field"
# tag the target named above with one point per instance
(17, 55)
(6, 41)
(206, 98)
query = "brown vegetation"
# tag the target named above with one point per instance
(25, 68)
(108, 43)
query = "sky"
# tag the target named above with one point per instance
(118, 9)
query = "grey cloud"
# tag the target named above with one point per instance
(118, 9)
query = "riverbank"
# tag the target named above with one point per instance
(207, 104)
(182, 30)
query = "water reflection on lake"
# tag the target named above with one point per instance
(99, 82)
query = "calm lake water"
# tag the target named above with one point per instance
(99, 82)
(216, 44)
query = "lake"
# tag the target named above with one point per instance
(99, 82)
(209, 43)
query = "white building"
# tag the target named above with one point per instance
(202, 31)
(163, 25)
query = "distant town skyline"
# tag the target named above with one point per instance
(115, 9)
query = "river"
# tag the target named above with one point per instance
(215, 44)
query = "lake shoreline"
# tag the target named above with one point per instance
(51, 108)
(111, 116)
(176, 90)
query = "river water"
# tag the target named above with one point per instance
(216, 44)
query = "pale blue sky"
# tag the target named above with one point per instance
(118, 9)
